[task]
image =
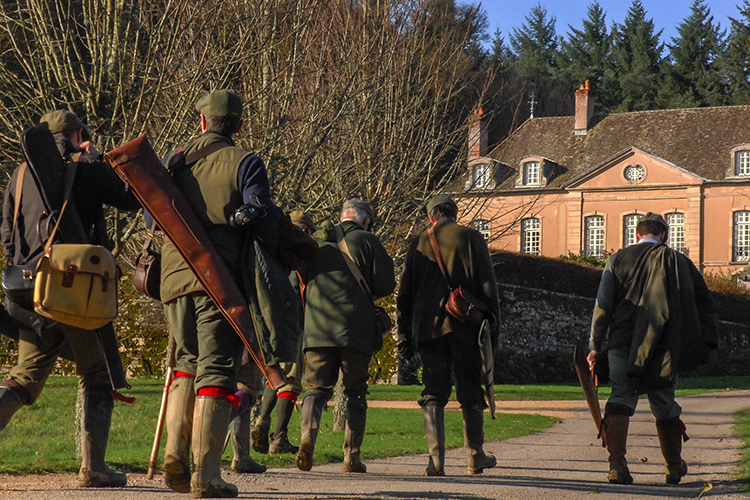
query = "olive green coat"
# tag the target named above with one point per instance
(423, 290)
(337, 311)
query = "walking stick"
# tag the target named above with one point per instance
(163, 409)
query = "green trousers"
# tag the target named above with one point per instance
(206, 345)
(37, 356)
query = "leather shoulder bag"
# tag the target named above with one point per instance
(461, 304)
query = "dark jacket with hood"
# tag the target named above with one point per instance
(337, 311)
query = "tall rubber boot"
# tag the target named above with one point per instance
(242, 461)
(312, 409)
(210, 422)
(97, 417)
(354, 434)
(259, 432)
(180, 408)
(474, 441)
(280, 438)
(615, 431)
(11, 400)
(434, 431)
(671, 434)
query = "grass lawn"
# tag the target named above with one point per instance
(685, 386)
(41, 438)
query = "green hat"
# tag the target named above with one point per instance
(304, 218)
(220, 103)
(62, 120)
(658, 218)
(440, 200)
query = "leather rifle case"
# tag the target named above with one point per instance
(138, 165)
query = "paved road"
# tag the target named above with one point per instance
(563, 462)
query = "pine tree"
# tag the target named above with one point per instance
(636, 55)
(535, 48)
(693, 77)
(736, 61)
(586, 55)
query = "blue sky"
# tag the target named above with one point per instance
(667, 14)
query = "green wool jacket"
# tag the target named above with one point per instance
(423, 290)
(337, 311)
(210, 188)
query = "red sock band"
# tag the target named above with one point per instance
(288, 395)
(219, 392)
(178, 374)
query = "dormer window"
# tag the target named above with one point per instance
(481, 176)
(531, 173)
(742, 163)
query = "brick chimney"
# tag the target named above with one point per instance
(584, 109)
(477, 135)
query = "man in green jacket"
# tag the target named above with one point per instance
(340, 329)
(444, 343)
(223, 179)
(654, 309)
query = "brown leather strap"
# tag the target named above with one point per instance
(147, 243)
(438, 257)
(70, 175)
(350, 261)
(17, 202)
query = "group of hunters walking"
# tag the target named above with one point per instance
(653, 312)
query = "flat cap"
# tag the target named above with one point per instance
(440, 199)
(656, 217)
(304, 218)
(62, 120)
(220, 103)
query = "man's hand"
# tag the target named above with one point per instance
(591, 358)
(89, 148)
(405, 349)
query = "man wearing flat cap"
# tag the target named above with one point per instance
(217, 178)
(446, 344)
(41, 342)
(655, 312)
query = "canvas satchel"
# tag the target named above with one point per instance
(382, 319)
(461, 304)
(76, 284)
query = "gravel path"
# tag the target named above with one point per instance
(563, 462)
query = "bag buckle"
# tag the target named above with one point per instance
(28, 275)
(70, 273)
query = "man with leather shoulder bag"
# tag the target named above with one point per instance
(25, 228)
(442, 260)
(340, 330)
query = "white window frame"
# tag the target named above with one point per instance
(594, 236)
(483, 226)
(480, 175)
(741, 236)
(532, 175)
(629, 224)
(531, 236)
(742, 162)
(676, 223)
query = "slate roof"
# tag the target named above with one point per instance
(696, 139)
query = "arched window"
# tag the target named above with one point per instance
(531, 173)
(594, 243)
(741, 245)
(742, 162)
(676, 223)
(531, 236)
(480, 176)
(629, 223)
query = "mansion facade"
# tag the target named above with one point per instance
(580, 184)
